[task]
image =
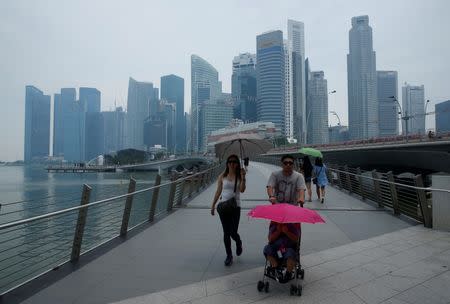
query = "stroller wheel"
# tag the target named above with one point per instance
(266, 287)
(260, 286)
(293, 290)
(299, 290)
(302, 273)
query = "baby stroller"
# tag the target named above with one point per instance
(280, 271)
(285, 213)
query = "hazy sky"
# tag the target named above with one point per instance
(55, 44)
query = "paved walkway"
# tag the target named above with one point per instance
(177, 258)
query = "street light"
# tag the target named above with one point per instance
(403, 115)
(337, 116)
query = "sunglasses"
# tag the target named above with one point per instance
(233, 162)
(288, 163)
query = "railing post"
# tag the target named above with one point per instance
(390, 178)
(155, 195)
(173, 188)
(349, 181)
(339, 178)
(376, 186)
(360, 181)
(127, 210)
(191, 185)
(180, 199)
(81, 222)
(426, 210)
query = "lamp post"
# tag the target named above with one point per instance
(337, 116)
(403, 115)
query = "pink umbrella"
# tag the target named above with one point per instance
(286, 213)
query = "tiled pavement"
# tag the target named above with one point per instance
(406, 266)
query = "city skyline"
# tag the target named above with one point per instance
(407, 47)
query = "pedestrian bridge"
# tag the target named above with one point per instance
(161, 245)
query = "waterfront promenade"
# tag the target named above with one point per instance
(361, 255)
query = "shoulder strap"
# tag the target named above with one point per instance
(235, 183)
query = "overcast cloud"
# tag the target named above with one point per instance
(54, 44)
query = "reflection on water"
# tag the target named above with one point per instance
(29, 249)
(28, 191)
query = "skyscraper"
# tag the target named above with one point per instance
(387, 86)
(37, 124)
(69, 126)
(114, 130)
(243, 87)
(204, 86)
(288, 92)
(172, 90)
(413, 103)
(296, 41)
(140, 95)
(362, 81)
(214, 116)
(270, 78)
(317, 118)
(442, 117)
(90, 100)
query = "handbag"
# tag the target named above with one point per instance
(230, 204)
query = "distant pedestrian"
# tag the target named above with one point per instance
(307, 169)
(320, 178)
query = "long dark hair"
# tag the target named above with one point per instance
(307, 166)
(238, 169)
(319, 162)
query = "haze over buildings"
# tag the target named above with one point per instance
(117, 50)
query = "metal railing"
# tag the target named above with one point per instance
(403, 194)
(34, 246)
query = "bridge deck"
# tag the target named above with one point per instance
(180, 258)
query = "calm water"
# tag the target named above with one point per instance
(27, 191)
(35, 247)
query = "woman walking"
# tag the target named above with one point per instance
(230, 184)
(307, 169)
(321, 180)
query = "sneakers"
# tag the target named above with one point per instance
(239, 249)
(229, 260)
(321, 200)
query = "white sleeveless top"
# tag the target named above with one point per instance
(228, 191)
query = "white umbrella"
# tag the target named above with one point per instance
(242, 144)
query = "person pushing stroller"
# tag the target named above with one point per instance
(284, 186)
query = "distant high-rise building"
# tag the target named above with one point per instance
(140, 95)
(317, 118)
(204, 86)
(413, 104)
(387, 86)
(58, 136)
(296, 41)
(362, 81)
(114, 130)
(90, 100)
(270, 67)
(172, 90)
(442, 116)
(243, 87)
(37, 124)
(288, 94)
(69, 126)
(214, 116)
